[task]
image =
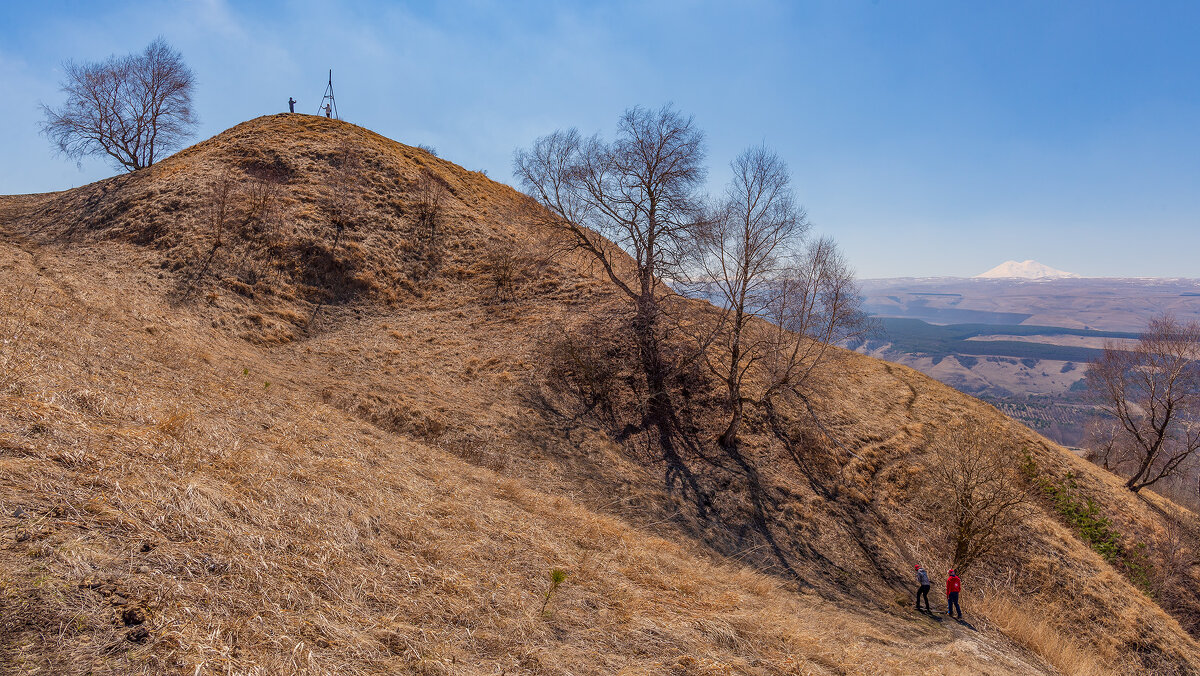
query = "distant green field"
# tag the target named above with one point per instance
(916, 336)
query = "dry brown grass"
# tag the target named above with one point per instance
(382, 492)
(20, 310)
(1026, 623)
(145, 485)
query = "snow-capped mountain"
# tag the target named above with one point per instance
(1025, 270)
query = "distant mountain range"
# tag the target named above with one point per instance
(1029, 269)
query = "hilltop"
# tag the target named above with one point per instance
(245, 439)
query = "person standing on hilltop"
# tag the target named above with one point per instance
(953, 586)
(291, 105)
(923, 590)
(328, 110)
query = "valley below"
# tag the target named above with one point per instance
(1022, 345)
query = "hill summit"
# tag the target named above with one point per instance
(1029, 269)
(303, 399)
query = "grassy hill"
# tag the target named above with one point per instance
(261, 444)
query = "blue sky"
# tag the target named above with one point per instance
(930, 138)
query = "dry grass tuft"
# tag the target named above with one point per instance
(1025, 623)
(20, 312)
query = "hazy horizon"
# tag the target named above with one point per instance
(929, 138)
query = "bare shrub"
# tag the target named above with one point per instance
(509, 264)
(262, 200)
(220, 206)
(430, 192)
(977, 492)
(132, 108)
(342, 200)
(1175, 553)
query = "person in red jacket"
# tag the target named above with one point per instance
(953, 586)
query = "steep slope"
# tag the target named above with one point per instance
(281, 446)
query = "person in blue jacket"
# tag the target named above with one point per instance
(923, 590)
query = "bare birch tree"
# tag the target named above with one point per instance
(745, 250)
(756, 258)
(635, 197)
(817, 305)
(132, 109)
(1152, 393)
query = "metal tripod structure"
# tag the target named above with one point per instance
(329, 97)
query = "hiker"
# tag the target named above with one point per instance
(953, 586)
(291, 105)
(328, 110)
(923, 581)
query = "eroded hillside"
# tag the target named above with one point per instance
(250, 440)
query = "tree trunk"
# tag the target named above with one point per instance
(1134, 484)
(729, 438)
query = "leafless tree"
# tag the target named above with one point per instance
(132, 108)
(814, 305)
(637, 196)
(977, 490)
(1152, 393)
(745, 250)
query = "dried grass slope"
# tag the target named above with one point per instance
(238, 438)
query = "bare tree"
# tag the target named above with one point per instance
(818, 304)
(977, 489)
(132, 108)
(746, 249)
(815, 304)
(1152, 393)
(637, 196)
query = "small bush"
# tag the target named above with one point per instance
(509, 265)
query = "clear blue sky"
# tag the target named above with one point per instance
(930, 138)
